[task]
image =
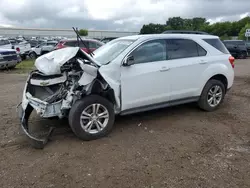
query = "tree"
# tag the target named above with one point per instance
(221, 29)
(243, 31)
(83, 32)
(153, 28)
(176, 23)
(199, 23)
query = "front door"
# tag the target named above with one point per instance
(146, 81)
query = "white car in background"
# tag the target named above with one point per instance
(42, 48)
(22, 47)
(127, 75)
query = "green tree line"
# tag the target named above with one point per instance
(222, 29)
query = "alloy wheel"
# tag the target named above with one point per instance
(94, 118)
(214, 96)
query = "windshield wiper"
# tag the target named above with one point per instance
(79, 37)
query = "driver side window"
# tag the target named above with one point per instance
(150, 51)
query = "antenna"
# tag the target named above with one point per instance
(79, 37)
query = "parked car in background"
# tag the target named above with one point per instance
(42, 49)
(89, 44)
(248, 47)
(237, 48)
(8, 58)
(108, 39)
(5, 44)
(22, 47)
(34, 43)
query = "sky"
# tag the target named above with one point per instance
(120, 15)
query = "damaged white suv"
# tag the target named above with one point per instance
(127, 75)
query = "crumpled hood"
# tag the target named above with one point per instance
(51, 63)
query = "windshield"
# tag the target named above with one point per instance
(111, 50)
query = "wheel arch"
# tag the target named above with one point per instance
(97, 87)
(219, 76)
(222, 78)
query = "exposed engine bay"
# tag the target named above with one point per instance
(62, 77)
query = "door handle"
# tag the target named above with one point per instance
(202, 62)
(164, 69)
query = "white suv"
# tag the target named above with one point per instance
(127, 75)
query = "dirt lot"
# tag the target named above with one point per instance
(175, 147)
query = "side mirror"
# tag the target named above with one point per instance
(129, 61)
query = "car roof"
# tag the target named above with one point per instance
(75, 39)
(234, 40)
(152, 36)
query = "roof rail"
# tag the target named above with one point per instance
(184, 32)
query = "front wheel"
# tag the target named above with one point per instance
(212, 95)
(92, 117)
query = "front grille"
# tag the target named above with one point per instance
(8, 53)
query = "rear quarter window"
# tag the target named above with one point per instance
(216, 43)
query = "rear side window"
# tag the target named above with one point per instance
(183, 48)
(216, 43)
(201, 50)
(71, 43)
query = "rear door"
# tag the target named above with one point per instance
(187, 61)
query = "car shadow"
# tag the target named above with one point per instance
(122, 123)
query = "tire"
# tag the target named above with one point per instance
(78, 126)
(242, 55)
(23, 57)
(12, 67)
(32, 55)
(206, 95)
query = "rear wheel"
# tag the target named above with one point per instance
(92, 117)
(33, 55)
(212, 95)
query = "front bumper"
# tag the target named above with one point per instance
(7, 64)
(24, 115)
(25, 109)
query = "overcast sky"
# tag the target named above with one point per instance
(114, 14)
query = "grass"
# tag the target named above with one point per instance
(24, 67)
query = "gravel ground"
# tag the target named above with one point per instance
(174, 147)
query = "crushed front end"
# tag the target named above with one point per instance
(54, 87)
(49, 96)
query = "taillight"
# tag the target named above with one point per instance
(18, 49)
(231, 60)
